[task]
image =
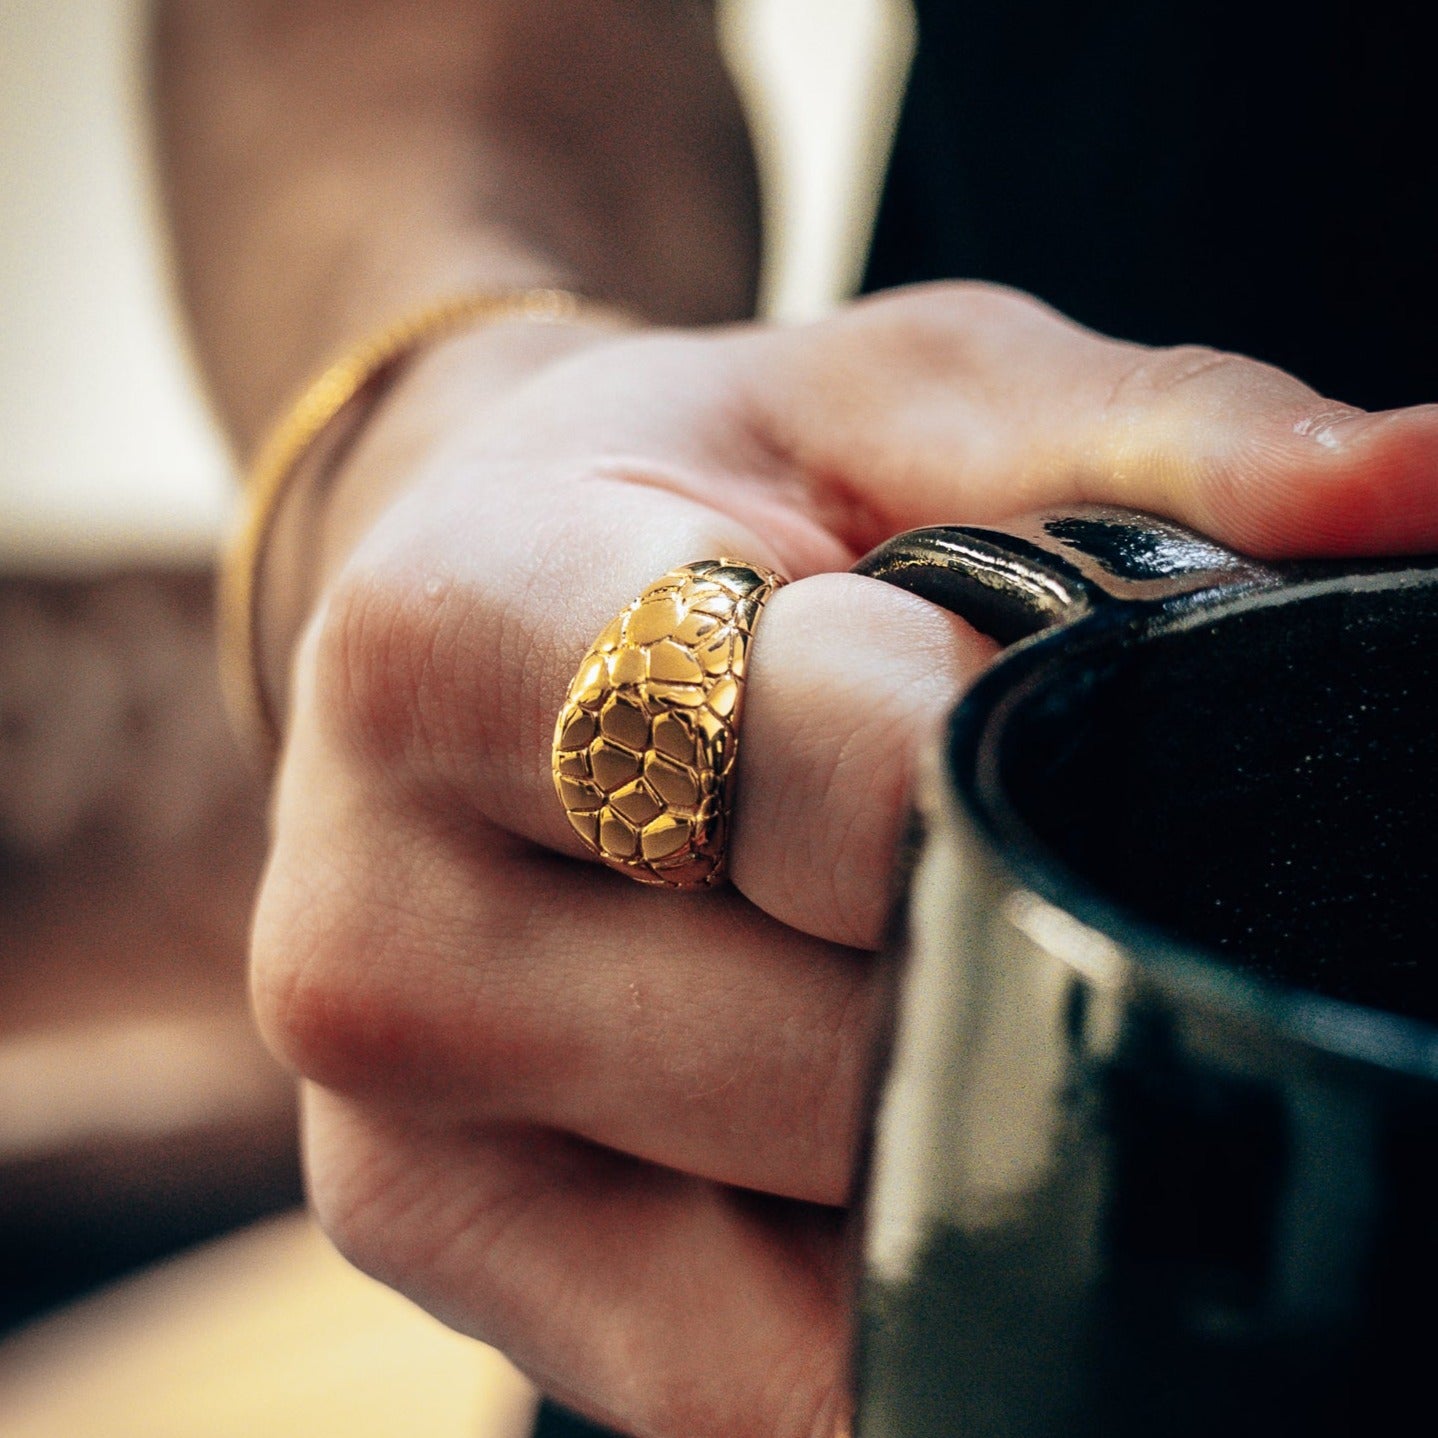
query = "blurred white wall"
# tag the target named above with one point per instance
(106, 450)
(822, 81)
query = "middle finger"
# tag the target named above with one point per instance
(465, 977)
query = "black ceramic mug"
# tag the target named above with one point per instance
(1156, 1151)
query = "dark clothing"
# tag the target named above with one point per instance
(1252, 174)
(555, 1422)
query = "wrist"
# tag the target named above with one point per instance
(315, 496)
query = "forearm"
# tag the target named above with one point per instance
(330, 163)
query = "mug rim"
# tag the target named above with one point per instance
(1345, 1029)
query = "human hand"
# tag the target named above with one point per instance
(608, 1129)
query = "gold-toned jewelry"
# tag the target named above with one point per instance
(363, 370)
(645, 745)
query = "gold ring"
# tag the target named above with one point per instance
(645, 745)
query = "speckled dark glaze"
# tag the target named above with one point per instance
(1156, 1148)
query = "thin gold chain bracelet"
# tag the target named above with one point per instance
(294, 439)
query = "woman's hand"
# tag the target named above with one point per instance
(611, 1129)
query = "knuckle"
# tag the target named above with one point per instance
(363, 662)
(312, 1002)
(933, 333)
(335, 971)
(384, 648)
(976, 303)
(382, 969)
(961, 305)
(1150, 375)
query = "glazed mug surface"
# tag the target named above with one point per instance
(1155, 1149)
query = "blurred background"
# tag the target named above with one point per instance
(139, 1115)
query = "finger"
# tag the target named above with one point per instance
(654, 1303)
(948, 403)
(849, 679)
(444, 653)
(453, 685)
(410, 963)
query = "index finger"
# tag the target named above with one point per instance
(964, 402)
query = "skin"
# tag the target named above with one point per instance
(610, 1130)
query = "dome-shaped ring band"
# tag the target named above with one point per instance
(645, 745)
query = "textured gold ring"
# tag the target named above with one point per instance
(645, 745)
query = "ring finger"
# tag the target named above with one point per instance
(448, 672)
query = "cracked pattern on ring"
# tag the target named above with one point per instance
(644, 746)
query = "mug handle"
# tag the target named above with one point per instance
(1057, 566)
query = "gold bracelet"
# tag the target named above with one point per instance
(294, 439)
